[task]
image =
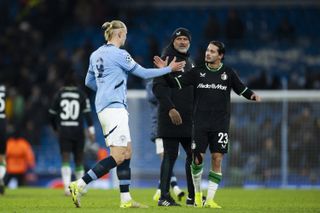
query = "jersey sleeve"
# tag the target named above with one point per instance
(238, 86)
(90, 80)
(54, 110)
(86, 109)
(126, 62)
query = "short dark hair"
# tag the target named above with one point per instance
(220, 45)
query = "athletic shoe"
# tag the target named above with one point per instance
(181, 195)
(198, 200)
(167, 201)
(1, 187)
(132, 204)
(190, 201)
(212, 204)
(75, 193)
(157, 195)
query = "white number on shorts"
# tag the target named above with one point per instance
(223, 138)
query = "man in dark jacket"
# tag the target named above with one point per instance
(175, 117)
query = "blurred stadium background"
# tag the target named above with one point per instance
(274, 45)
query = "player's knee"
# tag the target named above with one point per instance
(119, 158)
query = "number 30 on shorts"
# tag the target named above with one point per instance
(223, 139)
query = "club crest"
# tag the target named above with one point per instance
(224, 76)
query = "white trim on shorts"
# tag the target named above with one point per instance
(115, 126)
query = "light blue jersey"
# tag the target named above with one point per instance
(108, 73)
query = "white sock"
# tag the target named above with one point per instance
(81, 184)
(158, 191)
(197, 181)
(2, 171)
(176, 190)
(79, 174)
(125, 196)
(66, 176)
(212, 188)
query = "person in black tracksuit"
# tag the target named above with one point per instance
(3, 138)
(70, 108)
(175, 117)
(212, 85)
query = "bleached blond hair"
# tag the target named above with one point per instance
(111, 27)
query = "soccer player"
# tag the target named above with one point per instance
(107, 75)
(212, 85)
(70, 107)
(3, 138)
(175, 120)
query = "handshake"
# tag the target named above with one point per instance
(175, 66)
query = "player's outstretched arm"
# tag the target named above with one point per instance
(175, 66)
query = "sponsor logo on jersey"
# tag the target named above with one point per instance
(224, 76)
(211, 86)
(202, 75)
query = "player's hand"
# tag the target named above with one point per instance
(175, 117)
(91, 134)
(92, 137)
(158, 62)
(177, 66)
(255, 97)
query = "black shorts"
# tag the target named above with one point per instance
(216, 140)
(3, 145)
(71, 145)
(3, 138)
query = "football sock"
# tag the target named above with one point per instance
(79, 172)
(214, 180)
(196, 171)
(124, 176)
(2, 170)
(173, 180)
(66, 174)
(100, 169)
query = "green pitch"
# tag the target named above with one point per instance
(232, 200)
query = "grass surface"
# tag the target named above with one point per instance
(232, 200)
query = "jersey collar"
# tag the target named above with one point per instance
(213, 69)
